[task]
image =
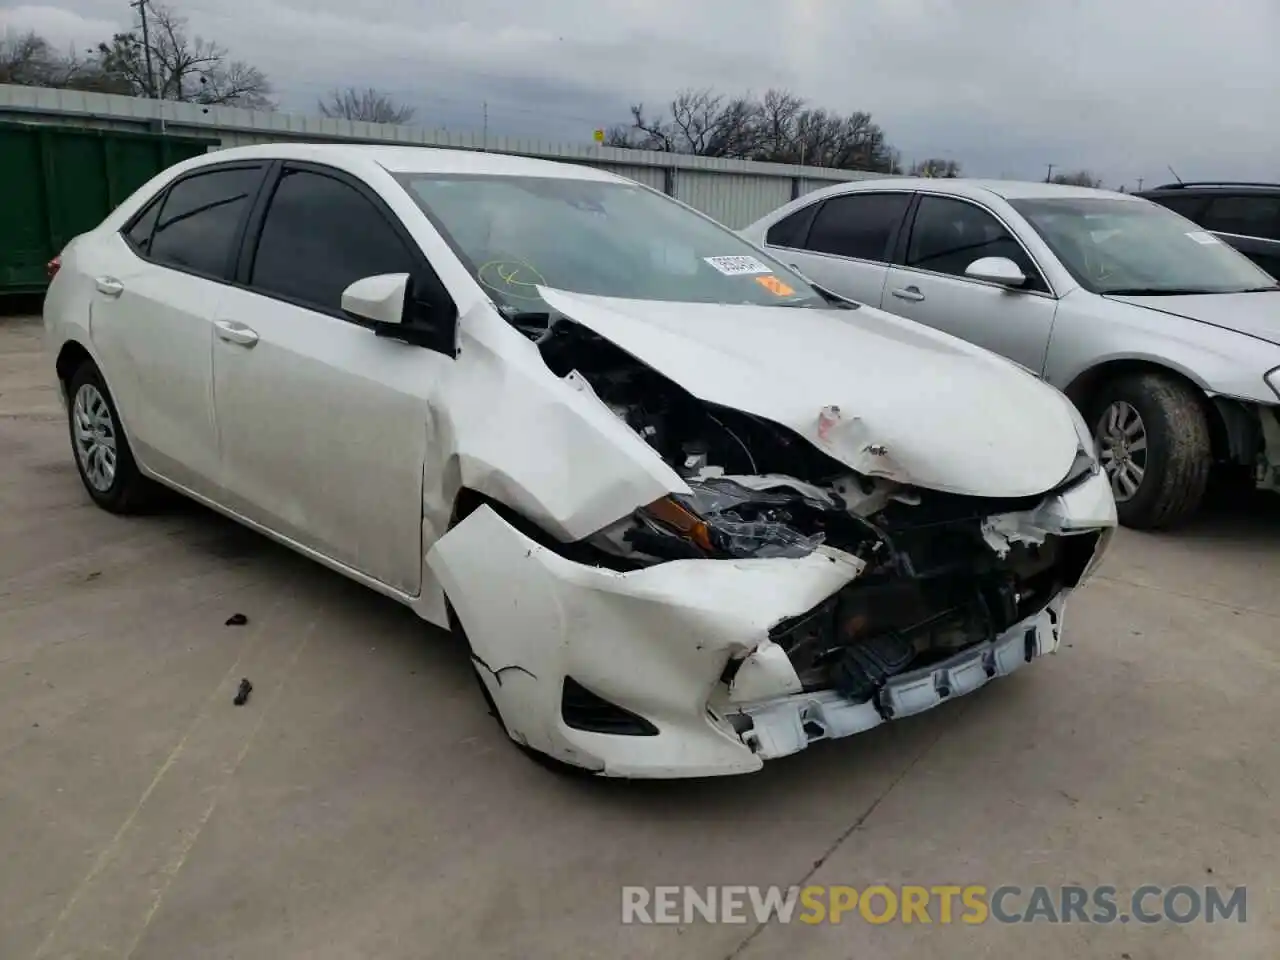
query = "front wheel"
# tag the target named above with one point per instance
(1153, 442)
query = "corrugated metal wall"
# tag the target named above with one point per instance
(654, 177)
(734, 199)
(735, 192)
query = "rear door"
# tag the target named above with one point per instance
(1250, 223)
(928, 285)
(844, 242)
(157, 286)
(323, 426)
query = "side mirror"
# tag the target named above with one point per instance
(999, 270)
(391, 303)
(380, 298)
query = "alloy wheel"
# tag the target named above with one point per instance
(1122, 448)
(95, 437)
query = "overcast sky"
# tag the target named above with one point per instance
(1123, 87)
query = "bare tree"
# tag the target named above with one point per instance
(935, 167)
(1077, 178)
(699, 121)
(368, 104)
(185, 68)
(26, 59)
(29, 59)
(778, 127)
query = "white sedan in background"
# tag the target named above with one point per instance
(689, 513)
(1165, 337)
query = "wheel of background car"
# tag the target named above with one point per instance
(102, 454)
(1153, 441)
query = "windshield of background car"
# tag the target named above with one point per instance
(1136, 247)
(600, 238)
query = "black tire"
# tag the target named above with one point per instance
(1179, 451)
(129, 491)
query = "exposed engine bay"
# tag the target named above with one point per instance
(940, 575)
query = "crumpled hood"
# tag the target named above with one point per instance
(1253, 314)
(915, 405)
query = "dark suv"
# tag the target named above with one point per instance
(1245, 215)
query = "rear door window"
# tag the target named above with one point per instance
(1191, 207)
(198, 228)
(1244, 216)
(791, 231)
(139, 235)
(859, 225)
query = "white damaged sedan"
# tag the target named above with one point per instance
(689, 512)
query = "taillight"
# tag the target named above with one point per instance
(51, 268)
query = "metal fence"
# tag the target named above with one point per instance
(735, 192)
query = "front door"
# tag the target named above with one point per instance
(323, 426)
(930, 287)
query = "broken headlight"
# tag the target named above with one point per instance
(725, 519)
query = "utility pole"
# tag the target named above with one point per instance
(486, 125)
(146, 45)
(1049, 176)
(1139, 183)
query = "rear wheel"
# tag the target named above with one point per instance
(102, 452)
(1153, 441)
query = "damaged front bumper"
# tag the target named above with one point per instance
(625, 673)
(789, 724)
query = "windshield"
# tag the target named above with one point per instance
(1136, 247)
(596, 237)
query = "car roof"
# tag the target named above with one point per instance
(975, 189)
(1203, 188)
(413, 160)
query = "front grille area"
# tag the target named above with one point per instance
(885, 622)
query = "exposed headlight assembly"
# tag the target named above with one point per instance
(727, 520)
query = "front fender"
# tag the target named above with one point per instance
(1092, 332)
(548, 448)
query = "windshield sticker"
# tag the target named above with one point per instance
(775, 286)
(1199, 236)
(737, 266)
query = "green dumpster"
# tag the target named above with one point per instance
(59, 181)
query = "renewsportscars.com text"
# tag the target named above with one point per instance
(941, 904)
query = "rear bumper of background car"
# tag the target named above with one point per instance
(653, 644)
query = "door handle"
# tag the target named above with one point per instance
(109, 286)
(912, 294)
(234, 332)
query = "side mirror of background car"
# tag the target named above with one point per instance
(999, 270)
(392, 303)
